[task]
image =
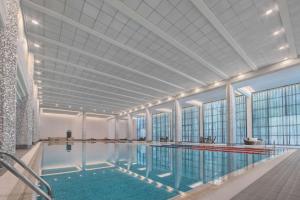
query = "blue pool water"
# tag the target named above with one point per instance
(89, 171)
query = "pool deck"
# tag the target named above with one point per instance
(281, 182)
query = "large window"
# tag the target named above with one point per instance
(190, 124)
(161, 126)
(276, 115)
(241, 119)
(140, 127)
(215, 120)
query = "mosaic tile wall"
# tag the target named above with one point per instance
(24, 122)
(8, 65)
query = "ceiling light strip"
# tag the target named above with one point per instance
(241, 77)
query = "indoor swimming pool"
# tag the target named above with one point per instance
(135, 171)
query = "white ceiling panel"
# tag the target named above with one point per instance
(95, 55)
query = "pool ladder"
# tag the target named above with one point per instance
(26, 181)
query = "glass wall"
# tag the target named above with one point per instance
(215, 120)
(276, 115)
(140, 122)
(241, 119)
(190, 124)
(161, 126)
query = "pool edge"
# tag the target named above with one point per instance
(234, 182)
(9, 183)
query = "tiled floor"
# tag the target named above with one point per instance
(280, 183)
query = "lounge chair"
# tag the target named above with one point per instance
(164, 139)
(252, 141)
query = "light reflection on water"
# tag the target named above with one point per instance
(171, 171)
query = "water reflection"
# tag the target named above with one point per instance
(172, 168)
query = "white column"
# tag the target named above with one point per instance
(116, 122)
(83, 152)
(83, 132)
(148, 125)
(178, 170)
(178, 121)
(149, 160)
(8, 74)
(201, 121)
(130, 127)
(231, 122)
(249, 116)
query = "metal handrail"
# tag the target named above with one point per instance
(38, 190)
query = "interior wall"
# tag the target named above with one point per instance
(97, 128)
(122, 129)
(56, 125)
(111, 129)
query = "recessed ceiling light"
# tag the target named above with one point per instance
(247, 90)
(35, 22)
(275, 33)
(170, 98)
(39, 81)
(142, 107)
(197, 90)
(159, 101)
(217, 83)
(150, 104)
(194, 102)
(130, 110)
(135, 109)
(182, 94)
(37, 61)
(285, 58)
(269, 12)
(240, 75)
(38, 73)
(283, 47)
(164, 110)
(36, 45)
